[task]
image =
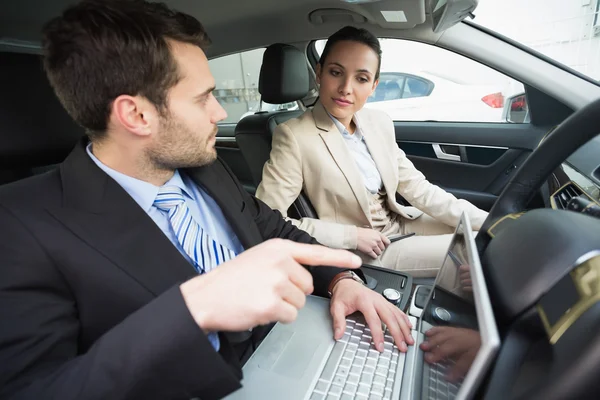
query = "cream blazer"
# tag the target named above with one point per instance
(309, 153)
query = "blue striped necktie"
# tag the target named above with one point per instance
(205, 252)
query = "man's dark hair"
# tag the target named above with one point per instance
(359, 35)
(98, 50)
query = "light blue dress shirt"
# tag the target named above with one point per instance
(360, 152)
(204, 209)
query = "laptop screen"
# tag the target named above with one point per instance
(449, 321)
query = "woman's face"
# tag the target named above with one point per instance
(347, 79)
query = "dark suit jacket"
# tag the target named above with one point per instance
(90, 306)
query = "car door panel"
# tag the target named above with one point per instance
(466, 154)
(473, 161)
(512, 136)
(483, 200)
(459, 175)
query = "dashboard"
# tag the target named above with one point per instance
(572, 190)
(587, 185)
(577, 177)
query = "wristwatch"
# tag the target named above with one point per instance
(343, 275)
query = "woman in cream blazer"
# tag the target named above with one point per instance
(315, 153)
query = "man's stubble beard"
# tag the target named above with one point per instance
(178, 147)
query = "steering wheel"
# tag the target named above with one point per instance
(520, 271)
(575, 131)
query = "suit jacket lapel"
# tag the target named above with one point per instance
(217, 182)
(102, 214)
(214, 179)
(379, 154)
(341, 155)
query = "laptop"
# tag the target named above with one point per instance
(302, 361)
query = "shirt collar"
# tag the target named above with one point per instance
(343, 130)
(144, 193)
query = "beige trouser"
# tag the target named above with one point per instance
(421, 255)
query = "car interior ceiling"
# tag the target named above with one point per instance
(294, 21)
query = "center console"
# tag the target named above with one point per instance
(418, 300)
(380, 279)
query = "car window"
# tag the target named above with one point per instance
(236, 78)
(422, 82)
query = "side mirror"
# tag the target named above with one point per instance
(516, 109)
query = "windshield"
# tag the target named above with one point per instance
(567, 31)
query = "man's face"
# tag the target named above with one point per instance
(188, 128)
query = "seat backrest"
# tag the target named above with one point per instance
(283, 79)
(36, 133)
(253, 135)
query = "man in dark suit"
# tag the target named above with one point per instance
(125, 273)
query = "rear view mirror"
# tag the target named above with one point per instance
(516, 109)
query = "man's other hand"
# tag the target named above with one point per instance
(350, 296)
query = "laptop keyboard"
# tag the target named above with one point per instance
(438, 386)
(356, 370)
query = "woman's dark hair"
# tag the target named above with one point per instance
(98, 50)
(359, 35)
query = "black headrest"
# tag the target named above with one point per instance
(35, 130)
(283, 74)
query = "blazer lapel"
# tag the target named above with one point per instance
(341, 155)
(379, 154)
(102, 214)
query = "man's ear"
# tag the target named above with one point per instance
(134, 114)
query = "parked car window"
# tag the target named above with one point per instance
(395, 86)
(417, 88)
(421, 82)
(390, 88)
(236, 78)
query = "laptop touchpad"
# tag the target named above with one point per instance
(295, 353)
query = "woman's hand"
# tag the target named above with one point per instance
(371, 242)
